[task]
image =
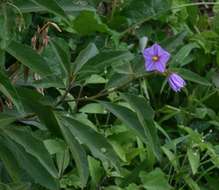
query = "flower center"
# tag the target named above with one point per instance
(155, 58)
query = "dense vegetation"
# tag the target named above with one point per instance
(109, 94)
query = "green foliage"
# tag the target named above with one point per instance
(78, 110)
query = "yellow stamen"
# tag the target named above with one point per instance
(155, 58)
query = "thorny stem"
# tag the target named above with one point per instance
(164, 11)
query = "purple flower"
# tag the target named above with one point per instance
(176, 82)
(156, 58)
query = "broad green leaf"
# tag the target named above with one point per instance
(130, 119)
(194, 160)
(89, 22)
(34, 147)
(68, 6)
(140, 105)
(84, 56)
(31, 165)
(77, 151)
(9, 161)
(2, 59)
(191, 183)
(6, 119)
(63, 160)
(155, 180)
(134, 174)
(95, 79)
(143, 9)
(127, 116)
(49, 82)
(104, 60)
(96, 171)
(93, 108)
(10, 92)
(117, 80)
(55, 145)
(145, 115)
(51, 6)
(19, 186)
(174, 42)
(182, 54)
(27, 56)
(171, 156)
(38, 104)
(212, 182)
(62, 55)
(8, 25)
(96, 142)
(191, 76)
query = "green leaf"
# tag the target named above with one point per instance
(89, 22)
(62, 55)
(55, 145)
(191, 183)
(93, 108)
(6, 119)
(182, 54)
(7, 23)
(63, 160)
(19, 186)
(54, 81)
(194, 160)
(34, 147)
(31, 165)
(2, 59)
(84, 56)
(51, 6)
(77, 151)
(173, 42)
(9, 161)
(145, 115)
(105, 59)
(171, 156)
(130, 119)
(68, 6)
(27, 56)
(34, 103)
(155, 180)
(193, 77)
(96, 171)
(95, 79)
(96, 142)
(143, 9)
(10, 92)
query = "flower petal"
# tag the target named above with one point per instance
(160, 66)
(176, 82)
(149, 65)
